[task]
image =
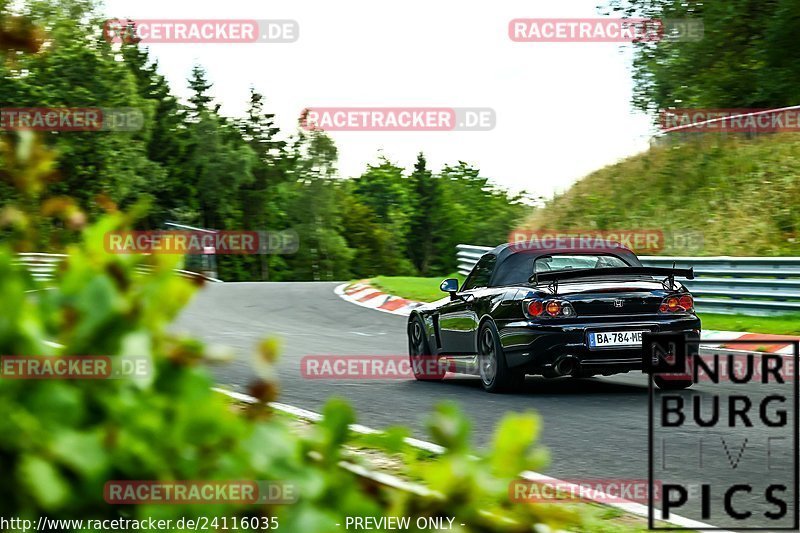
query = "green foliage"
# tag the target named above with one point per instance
(79, 69)
(61, 441)
(312, 210)
(738, 194)
(190, 164)
(474, 486)
(200, 86)
(747, 58)
(427, 196)
(469, 197)
(382, 205)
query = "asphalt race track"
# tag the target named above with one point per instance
(594, 428)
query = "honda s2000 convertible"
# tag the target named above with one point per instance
(557, 312)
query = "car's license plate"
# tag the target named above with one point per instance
(601, 339)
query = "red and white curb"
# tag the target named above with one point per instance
(779, 344)
(363, 294)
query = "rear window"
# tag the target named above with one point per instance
(518, 268)
(569, 262)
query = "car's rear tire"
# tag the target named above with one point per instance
(492, 367)
(423, 363)
(672, 384)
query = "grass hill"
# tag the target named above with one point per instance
(742, 194)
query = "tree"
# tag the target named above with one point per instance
(79, 69)
(190, 164)
(313, 212)
(200, 86)
(491, 213)
(172, 196)
(428, 203)
(747, 57)
(259, 129)
(385, 190)
(221, 163)
(262, 199)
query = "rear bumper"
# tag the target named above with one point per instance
(538, 348)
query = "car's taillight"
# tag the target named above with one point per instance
(535, 308)
(677, 304)
(547, 308)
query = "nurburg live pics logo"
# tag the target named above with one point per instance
(735, 437)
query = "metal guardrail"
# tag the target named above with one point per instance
(750, 285)
(43, 266)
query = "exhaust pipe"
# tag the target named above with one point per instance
(567, 366)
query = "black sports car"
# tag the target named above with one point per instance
(558, 312)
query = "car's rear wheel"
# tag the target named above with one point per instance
(492, 368)
(672, 384)
(425, 366)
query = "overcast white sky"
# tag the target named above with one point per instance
(563, 109)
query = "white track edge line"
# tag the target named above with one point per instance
(623, 505)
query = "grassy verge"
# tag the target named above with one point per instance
(413, 288)
(427, 290)
(741, 195)
(596, 518)
(788, 324)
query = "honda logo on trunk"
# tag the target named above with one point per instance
(618, 302)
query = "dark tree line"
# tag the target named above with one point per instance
(748, 56)
(192, 165)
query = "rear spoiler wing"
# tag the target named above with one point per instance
(559, 275)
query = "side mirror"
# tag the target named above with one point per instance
(449, 285)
